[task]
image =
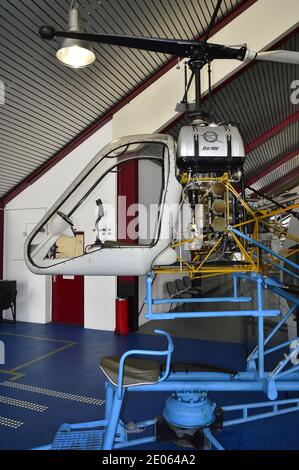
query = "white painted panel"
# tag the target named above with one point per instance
(100, 294)
(34, 292)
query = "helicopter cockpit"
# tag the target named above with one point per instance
(83, 207)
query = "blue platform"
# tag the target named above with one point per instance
(51, 376)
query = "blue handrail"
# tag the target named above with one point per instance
(167, 352)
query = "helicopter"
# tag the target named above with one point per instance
(201, 178)
(200, 210)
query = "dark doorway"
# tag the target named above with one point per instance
(68, 291)
(68, 299)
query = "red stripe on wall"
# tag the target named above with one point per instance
(127, 188)
(1, 239)
(127, 192)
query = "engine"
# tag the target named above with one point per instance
(211, 147)
(209, 158)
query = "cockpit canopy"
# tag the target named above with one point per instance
(85, 232)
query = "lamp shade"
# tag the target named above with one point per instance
(75, 52)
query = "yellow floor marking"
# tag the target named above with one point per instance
(14, 372)
(44, 356)
(42, 338)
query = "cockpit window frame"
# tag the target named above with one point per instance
(165, 159)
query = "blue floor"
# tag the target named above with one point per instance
(54, 369)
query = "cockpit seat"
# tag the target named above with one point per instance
(136, 371)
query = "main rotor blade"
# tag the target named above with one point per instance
(176, 47)
(287, 57)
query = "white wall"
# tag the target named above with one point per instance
(33, 296)
(21, 215)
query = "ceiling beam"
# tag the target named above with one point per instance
(272, 167)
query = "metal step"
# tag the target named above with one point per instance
(67, 439)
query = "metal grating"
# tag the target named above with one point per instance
(47, 104)
(78, 440)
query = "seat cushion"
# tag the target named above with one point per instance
(136, 371)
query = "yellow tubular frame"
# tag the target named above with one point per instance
(197, 269)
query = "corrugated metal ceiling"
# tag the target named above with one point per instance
(291, 167)
(272, 151)
(47, 104)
